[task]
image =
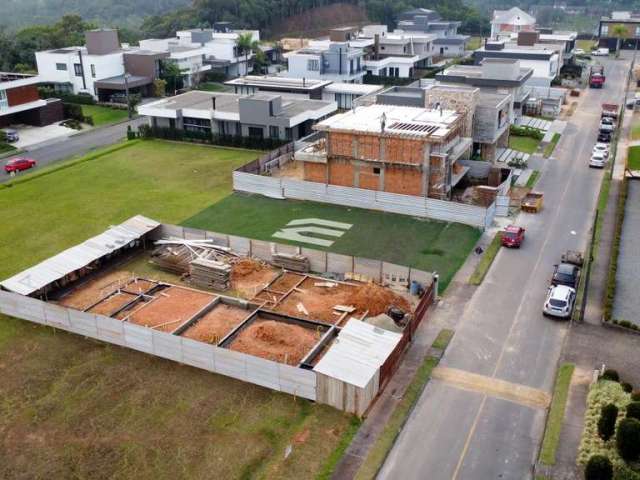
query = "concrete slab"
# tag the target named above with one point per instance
(31, 136)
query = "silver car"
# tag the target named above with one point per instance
(559, 302)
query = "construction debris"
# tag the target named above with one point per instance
(294, 262)
(302, 309)
(325, 284)
(213, 274)
(344, 308)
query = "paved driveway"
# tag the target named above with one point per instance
(469, 433)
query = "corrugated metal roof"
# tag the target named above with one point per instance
(358, 352)
(74, 258)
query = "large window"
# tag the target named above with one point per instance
(77, 68)
(274, 132)
(256, 132)
(313, 65)
(201, 125)
(93, 70)
(4, 103)
(605, 30)
(61, 66)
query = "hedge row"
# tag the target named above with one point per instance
(83, 99)
(525, 131)
(610, 292)
(146, 131)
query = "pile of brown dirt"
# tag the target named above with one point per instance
(282, 342)
(377, 299)
(246, 266)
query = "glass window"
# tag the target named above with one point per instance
(637, 31)
(274, 132)
(77, 68)
(256, 132)
(61, 66)
(313, 65)
(288, 133)
(605, 29)
(93, 70)
(4, 102)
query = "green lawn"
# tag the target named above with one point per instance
(523, 144)
(6, 147)
(213, 87)
(487, 260)
(424, 244)
(103, 115)
(548, 150)
(585, 45)
(474, 43)
(533, 179)
(92, 410)
(633, 158)
(556, 414)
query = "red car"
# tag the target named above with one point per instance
(512, 236)
(19, 164)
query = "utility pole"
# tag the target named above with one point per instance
(126, 89)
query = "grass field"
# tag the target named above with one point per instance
(633, 158)
(75, 408)
(556, 414)
(103, 115)
(424, 244)
(6, 147)
(523, 144)
(474, 43)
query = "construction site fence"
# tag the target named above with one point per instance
(272, 159)
(241, 366)
(320, 261)
(443, 210)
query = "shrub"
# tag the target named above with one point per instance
(625, 473)
(628, 439)
(607, 421)
(610, 374)
(633, 410)
(524, 131)
(73, 111)
(635, 396)
(627, 387)
(598, 468)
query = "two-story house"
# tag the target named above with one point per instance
(101, 68)
(514, 20)
(625, 22)
(338, 62)
(21, 104)
(447, 43)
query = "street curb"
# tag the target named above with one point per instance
(11, 153)
(93, 129)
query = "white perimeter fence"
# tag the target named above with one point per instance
(369, 199)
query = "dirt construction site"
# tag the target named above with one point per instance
(251, 310)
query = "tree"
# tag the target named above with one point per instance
(610, 374)
(607, 421)
(628, 439)
(171, 73)
(246, 45)
(598, 468)
(618, 32)
(159, 87)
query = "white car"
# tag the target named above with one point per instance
(602, 148)
(598, 160)
(607, 127)
(601, 52)
(579, 51)
(559, 302)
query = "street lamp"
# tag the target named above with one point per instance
(126, 90)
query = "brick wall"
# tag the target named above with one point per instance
(367, 176)
(315, 172)
(341, 172)
(403, 150)
(340, 144)
(405, 180)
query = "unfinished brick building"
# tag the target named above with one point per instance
(396, 149)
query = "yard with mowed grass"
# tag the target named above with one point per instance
(523, 144)
(103, 115)
(633, 158)
(76, 408)
(420, 243)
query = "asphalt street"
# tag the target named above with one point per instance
(456, 433)
(79, 144)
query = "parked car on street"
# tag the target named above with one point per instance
(559, 302)
(566, 274)
(607, 127)
(512, 236)
(579, 51)
(19, 164)
(601, 52)
(602, 148)
(11, 135)
(604, 137)
(597, 160)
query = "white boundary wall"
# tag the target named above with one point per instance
(369, 199)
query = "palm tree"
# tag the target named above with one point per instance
(246, 44)
(618, 32)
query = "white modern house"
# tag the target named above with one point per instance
(337, 61)
(101, 67)
(189, 58)
(448, 43)
(514, 20)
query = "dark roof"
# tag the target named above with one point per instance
(118, 83)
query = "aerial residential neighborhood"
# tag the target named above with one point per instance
(338, 241)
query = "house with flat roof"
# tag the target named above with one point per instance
(514, 20)
(261, 115)
(494, 75)
(344, 94)
(448, 43)
(188, 58)
(20, 102)
(625, 21)
(389, 148)
(545, 60)
(101, 68)
(336, 61)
